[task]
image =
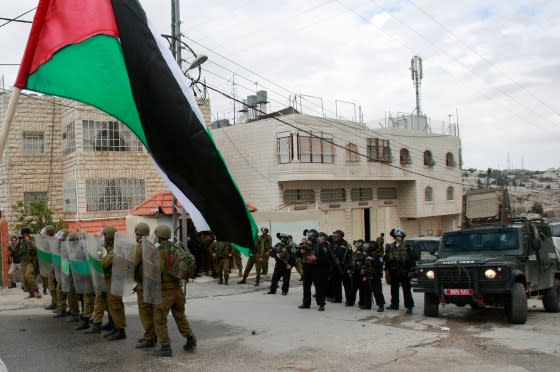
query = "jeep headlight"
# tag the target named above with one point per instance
(430, 274)
(490, 273)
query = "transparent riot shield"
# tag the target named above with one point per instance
(66, 276)
(44, 257)
(151, 273)
(122, 277)
(54, 248)
(79, 267)
(95, 252)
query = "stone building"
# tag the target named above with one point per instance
(349, 177)
(88, 166)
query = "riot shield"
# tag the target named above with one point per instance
(54, 248)
(122, 277)
(95, 251)
(66, 276)
(151, 273)
(79, 267)
(44, 257)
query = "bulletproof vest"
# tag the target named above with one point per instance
(398, 256)
(26, 251)
(221, 249)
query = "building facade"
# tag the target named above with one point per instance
(310, 172)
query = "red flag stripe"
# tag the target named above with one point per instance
(61, 23)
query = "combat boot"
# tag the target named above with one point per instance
(164, 351)
(72, 318)
(221, 280)
(226, 281)
(190, 345)
(380, 308)
(321, 308)
(61, 314)
(95, 328)
(108, 326)
(118, 334)
(110, 333)
(271, 292)
(50, 307)
(258, 282)
(242, 281)
(143, 343)
(84, 324)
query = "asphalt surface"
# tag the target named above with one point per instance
(240, 328)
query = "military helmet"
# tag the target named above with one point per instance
(339, 232)
(311, 234)
(142, 229)
(369, 247)
(399, 233)
(61, 234)
(323, 237)
(73, 236)
(359, 244)
(25, 230)
(283, 237)
(163, 232)
(49, 230)
(109, 232)
(264, 230)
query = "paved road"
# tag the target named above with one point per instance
(240, 328)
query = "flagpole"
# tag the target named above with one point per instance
(10, 112)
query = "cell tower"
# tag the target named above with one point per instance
(417, 75)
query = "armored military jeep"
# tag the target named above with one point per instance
(494, 260)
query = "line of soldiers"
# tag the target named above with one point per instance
(86, 276)
(331, 265)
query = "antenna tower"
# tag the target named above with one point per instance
(417, 75)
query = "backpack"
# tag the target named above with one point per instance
(181, 263)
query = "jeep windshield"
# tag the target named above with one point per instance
(491, 240)
(555, 228)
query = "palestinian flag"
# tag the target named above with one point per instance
(106, 53)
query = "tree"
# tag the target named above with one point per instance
(537, 208)
(34, 215)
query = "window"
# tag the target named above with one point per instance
(68, 138)
(384, 193)
(361, 194)
(284, 147)
(299, 195)
(114, 194)
(352, 154)
(428, 158)
(109, 136)
(69, 195)
(30, 197)
(428, 194)
(450, 193)
(333, 195)
(33, 143)
(378, 150)
(449, 160)
(405, 157)
(315, 149)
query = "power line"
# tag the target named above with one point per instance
(15, 20)
(19, 16)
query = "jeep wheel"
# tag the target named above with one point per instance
(551, 298)
(431, 305)
(516, 305)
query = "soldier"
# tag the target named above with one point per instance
(358, 260)
(27, 253)
(265, 241)
(342, 263)
(399, 267)
(61, 297)
(145, 310)
(373, 272)
(221, 252)
(285, 260)
(236, 259)
(51, 280)
(173, 299)
(256, 259)
(316, 258)
(73, 298)
(381, 244)
(66, 296)
(88, 299)
(114, 303)
(298, 265)
(13, 259)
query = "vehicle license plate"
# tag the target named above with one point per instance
(458, 292)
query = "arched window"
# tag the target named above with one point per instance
(405, 157)
(450, 193)
(428, 194)
(428, 158)
(449, 160)
(352, 154)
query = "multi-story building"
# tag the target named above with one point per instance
(303, 171)
(91, 168)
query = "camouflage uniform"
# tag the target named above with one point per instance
(399, 265)
(221, 251)
(265, 241)
(145, 310)
(256, 259)
(28, 257)
(285, 260)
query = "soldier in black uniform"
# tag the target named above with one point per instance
(342, 263)
(399, 267)
(315, 257)
(357, 273)
(285, 260)
(374, 272)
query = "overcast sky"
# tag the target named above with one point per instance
(496, 63)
